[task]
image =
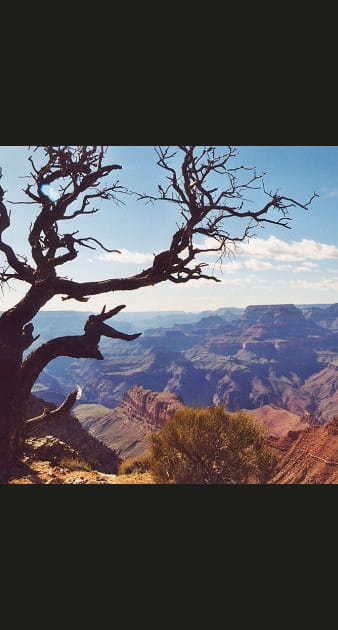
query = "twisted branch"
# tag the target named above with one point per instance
(77, 346)
(33, 424)
(205, 207)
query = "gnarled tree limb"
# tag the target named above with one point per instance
(205, 190)
(77, 346)
(192, 184)
(23, 270)
(33, 424)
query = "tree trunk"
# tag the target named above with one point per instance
(11, 411)
(11, 437)
(17, 377)
(15, 337)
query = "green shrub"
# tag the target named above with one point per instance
(139, 464)
(211, 445)
(76, 464)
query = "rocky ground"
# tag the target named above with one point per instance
(309, 456)
(32, 471)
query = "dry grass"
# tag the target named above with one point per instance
(145, 477)
(135, 465)
(43, 472)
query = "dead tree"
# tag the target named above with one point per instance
(80, 173)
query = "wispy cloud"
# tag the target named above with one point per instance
(304, 267)
(259, 255)
(331, 193)
(257, 265)
(326, 284)
(240, 280)
(310, 265)
(276, 249)
(231, 266)
(273, 248)
(127, 257)
(195, 284)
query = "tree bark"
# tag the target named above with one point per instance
(80, 172)
(17, 376)
(11, 425)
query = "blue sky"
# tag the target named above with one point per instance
(277, 266)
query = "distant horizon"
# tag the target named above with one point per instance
(125, 312)
(199, 310)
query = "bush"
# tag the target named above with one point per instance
(211, 445)
(77, 463)
(140, 465)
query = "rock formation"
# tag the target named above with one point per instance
(278, 421)
(309, 456)
(145, 406)
(277, 355)
(127, 427)
(66, 438)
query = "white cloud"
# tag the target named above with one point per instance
(324, 285)
(194, 284)
(257, 254)
(237, 280)
(304, 267)
(257, 265)
(127, 257)
(310, 265)
(276, 249)
(301, 269)
(231, 266)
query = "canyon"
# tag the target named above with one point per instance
(127, 427)
(282, 356)
(278, 362)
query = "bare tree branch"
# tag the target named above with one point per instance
(77, 346)
(208, 189)
(205, 207)
(192, 184)
(90, 238)
(82, 168)
(33, 424)
(23, 271)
